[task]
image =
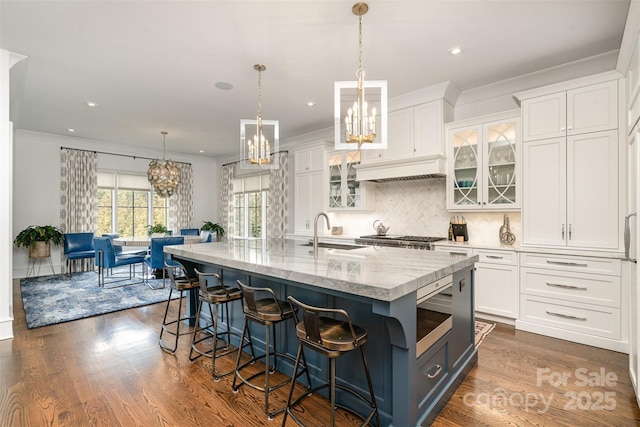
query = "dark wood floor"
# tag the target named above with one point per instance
(109, 371)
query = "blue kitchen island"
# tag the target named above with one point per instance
(413, 376)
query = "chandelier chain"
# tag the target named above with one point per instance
(259, 93)
(360, 69)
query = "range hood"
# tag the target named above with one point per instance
(422, 168)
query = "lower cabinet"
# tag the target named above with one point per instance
(433, 368)
(497, 292)
(575, 298)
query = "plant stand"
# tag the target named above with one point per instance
(37, 254)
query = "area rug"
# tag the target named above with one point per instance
(482, 330)
(48, 300)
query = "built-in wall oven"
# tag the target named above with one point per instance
(434, 307)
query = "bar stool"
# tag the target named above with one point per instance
(262, 307)
(332, 338)
(179, 281)
(219, 296)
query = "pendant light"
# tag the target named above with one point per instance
(164, 175)
(355, 114)
(259, 138)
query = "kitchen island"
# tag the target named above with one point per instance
(379, 288)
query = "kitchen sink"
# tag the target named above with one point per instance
(334, 246)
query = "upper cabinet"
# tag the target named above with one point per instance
(571, 165)
(483, 156)
(309, 186)
(586, 109)
(344, 191)
(412, 132)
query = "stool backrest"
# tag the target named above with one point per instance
(251, 295)
(189, 232)
(311, 319)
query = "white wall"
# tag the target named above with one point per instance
(36, 178)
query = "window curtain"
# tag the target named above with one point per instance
(226, 199)
(78, 192)
(181, 201)
(278, 197)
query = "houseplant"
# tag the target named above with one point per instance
(37, 238)
(213, 227)
(157, 229)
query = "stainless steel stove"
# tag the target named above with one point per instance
(408, 242)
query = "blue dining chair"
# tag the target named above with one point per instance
(78, 246)
(157, 258)
(189, 232)
(107, 259)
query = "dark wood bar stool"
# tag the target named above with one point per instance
(219, 296)
(261, 306)
(332, 338)
(181, 282)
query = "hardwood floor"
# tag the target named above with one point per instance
(110, 371)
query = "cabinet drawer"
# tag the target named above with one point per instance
(583, 318)
(432, 371)
(570, 286)
(572, 263)
(497, 257)
(454, 250)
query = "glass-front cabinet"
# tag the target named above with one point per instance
(483, 164)
(344, 191)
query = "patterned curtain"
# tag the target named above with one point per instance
(278, 197)
(226, 199)
(78, 192)
(181, 201)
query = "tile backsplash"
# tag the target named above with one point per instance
(419, 207)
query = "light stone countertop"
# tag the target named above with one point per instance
(380, 273)
(532, 249)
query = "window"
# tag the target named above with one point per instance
(250, 207)
(126, 204)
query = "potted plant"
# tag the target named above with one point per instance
(213, 228)
(37, 238)
(157, 230)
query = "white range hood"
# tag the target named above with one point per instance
(424, 167)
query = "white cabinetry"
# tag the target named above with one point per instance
(570, 169)
(574, 298)
(345, 193)
(570, 191)
(587, 109)
(484, 170)
(497, 293)
(309, 186)
(412, 132)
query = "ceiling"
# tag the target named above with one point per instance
(152, 66)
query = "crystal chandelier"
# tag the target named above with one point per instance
(255, 135)
(164, 175)
(360, 123)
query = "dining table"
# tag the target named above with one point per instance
(146, 240)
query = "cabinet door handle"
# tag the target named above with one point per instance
(438, 370)
(567, 263)
(563, 286)
(569, 231)
(562, 231)
(457, 253)
(495, 257)
(565, 316)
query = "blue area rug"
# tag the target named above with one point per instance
(48, 300)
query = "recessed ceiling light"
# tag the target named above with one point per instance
(455, 50)
(202, 151)
(71, 130)
(310, 104)
(91, 104)
(224, 85)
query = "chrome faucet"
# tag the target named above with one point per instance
(315, 231)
